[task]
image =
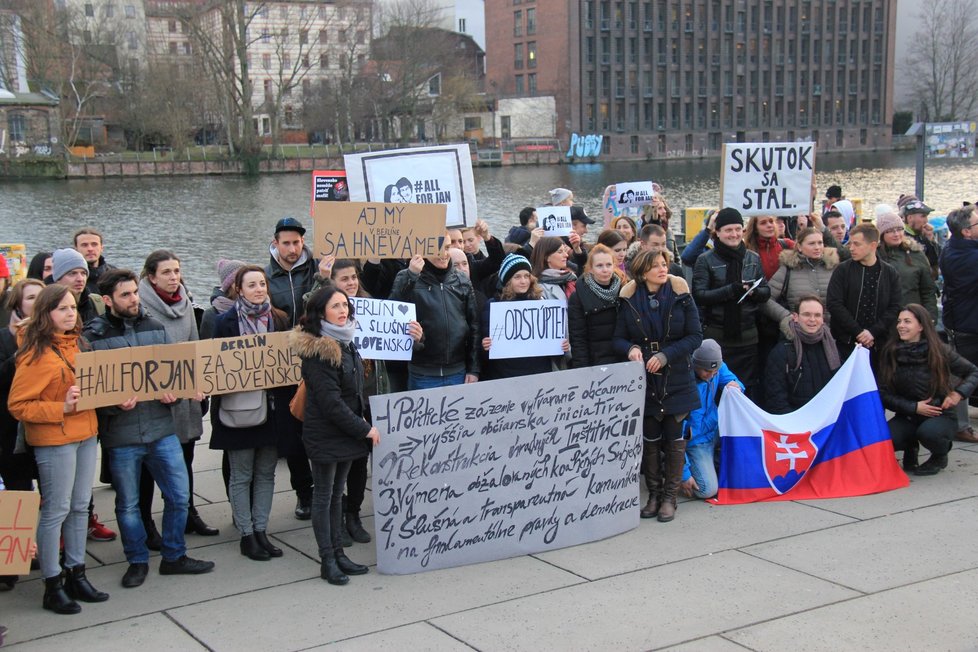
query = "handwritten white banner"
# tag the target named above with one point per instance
(767, 178)
(382, 328)
(527, 329)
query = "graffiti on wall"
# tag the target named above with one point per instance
(588, 146)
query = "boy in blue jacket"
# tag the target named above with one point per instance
(702, 426)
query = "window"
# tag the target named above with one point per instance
(265, 36)
(517, 23)
(324, 60)
(461, 25)
(303, 36)
(342, 35)
(173, 47)
(531, 83)
(518, 56)
(361, 37)
(306, 84)
(531, 21)
(283, 12)
(17, 126)
(132, 41)
(434, 86)
(267, 87)
(172, 26)
(531, 54)
(90, 10)
(109, 11)
(473, 123)
(286, 60)
(519, 85)
(266, 61)
(305, 61)
(186, 48)
(323, 37)
(130, 11)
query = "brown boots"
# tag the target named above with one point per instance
(663, 464)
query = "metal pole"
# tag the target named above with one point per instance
(919, 180)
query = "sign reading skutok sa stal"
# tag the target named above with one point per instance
(468, 474)
(767, 178)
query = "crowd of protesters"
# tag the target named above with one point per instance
(765, 306)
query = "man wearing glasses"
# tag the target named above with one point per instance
(959, 265)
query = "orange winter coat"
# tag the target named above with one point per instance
(37, 397)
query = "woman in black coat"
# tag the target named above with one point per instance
(251, 450)
(659, 325)
(335, 430)
(592, 311)
(922, 380)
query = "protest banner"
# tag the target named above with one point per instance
(634, 193)
(329, 185)
(146, 372)
(246, 363)
(767, 178)
(440, 174)
(555, 220)
(527, 329)
(374, 230)
(18, 530)
(382, 328)
(465, 475)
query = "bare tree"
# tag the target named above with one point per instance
(942, 63)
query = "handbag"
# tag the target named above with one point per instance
(297, 406)
(244, 409)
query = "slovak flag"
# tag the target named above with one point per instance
(837, 445)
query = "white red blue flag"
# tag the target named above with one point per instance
(836, 445)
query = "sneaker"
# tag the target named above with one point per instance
(185, 566)
(97, 531)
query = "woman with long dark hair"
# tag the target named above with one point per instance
(245, 428)
(549, 264)
(335, 427)
(922, 380)
(44, 397)
(659, 326)
(41, 265)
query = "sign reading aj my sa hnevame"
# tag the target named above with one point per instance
(464, 475)
(767, 178)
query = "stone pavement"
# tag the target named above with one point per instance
(896, 571)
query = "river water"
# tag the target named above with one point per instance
(206, 218)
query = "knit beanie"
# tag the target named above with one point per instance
(226, 269)
(558, 195)
(512, 263)
(726, 217)
(708, 356)
(65, 260)
(888, 221)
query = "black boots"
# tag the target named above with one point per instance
(330, 571)
(653, 477)
(303, 509)
(251, 549)
(55, 598)
(354, 526)
(934, 465)
(78, 587)
(349, 566)
(153, 539)
(196, 525)
(675, 459)
(263, 541)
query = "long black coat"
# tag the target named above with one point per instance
(334, 429)
(673, 389)
(591, 322)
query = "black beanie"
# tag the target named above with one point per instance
(726, 217)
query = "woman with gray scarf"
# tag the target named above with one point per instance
(335, 429)
(165, 298)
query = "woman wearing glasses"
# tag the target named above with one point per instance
(659, 326)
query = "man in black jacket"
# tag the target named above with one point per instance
(864, 294)
(137, 432)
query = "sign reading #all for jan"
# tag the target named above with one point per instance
(767, 178)
(555, 220)
(635, 193)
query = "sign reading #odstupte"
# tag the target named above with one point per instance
(382, 328)
(468, 474)
(527, 329)
(767, 178)
(440, 174)
(373, 230)
(555, 220)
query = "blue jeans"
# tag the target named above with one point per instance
(417, 381)
(164, 458)
(701, 467)
(65, 476)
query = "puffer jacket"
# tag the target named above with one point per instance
(916, 280)
(446, 309)
(804, 277)
(711, 292)
(149, 421)
(286, 288)
(37, 396)
(912, 383)
(673, 389)
(591, 322)
(334, 428)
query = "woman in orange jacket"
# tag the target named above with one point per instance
(44, 397)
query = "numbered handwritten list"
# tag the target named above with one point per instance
(475, 473)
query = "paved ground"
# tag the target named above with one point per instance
(887, 572)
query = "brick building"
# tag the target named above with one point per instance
(661, 78)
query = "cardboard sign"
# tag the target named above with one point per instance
(19, 512)
(113, 377)
(371, 230)
(527, 329)
(767, 178)
(382, 329)
(329, 185)
(424, 175)
(473, 473)
(246, 363)
(634, 193)
(555, 220)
